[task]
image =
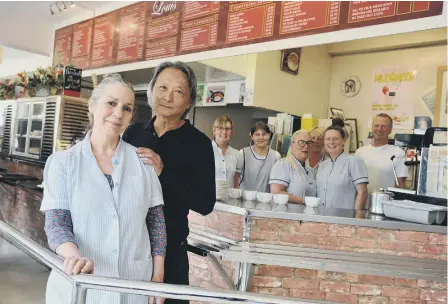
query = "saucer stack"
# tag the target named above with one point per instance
(221, 189)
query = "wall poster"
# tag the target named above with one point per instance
(394, 93)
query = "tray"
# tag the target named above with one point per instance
(414, 212)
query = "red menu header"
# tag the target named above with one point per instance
(161, 29)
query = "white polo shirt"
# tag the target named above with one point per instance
(109, 226)
(225, 165)
(379, 165)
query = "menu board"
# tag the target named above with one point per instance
(82, 39)
(103, 40)
(63, 46)
(131, 38)
(250, 21)
(367, 10)
(194, 9)
(199, 34)
(160, 29)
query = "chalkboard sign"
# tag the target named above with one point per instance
(72, 82)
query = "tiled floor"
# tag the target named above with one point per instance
(22, 279)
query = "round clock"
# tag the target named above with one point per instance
(350, 86)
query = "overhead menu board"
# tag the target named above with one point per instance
(131, 33)
(63, 46)
(161, 29)
(81, 43)
(104, 30)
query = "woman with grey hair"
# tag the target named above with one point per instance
(182, 154)
(290, 175)
(103, 205)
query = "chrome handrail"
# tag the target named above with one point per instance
(83, 282)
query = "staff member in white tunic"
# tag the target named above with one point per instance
(316, 153)
(290, 175)
(341, 179)
(226, 157)
(377, 156)
(255, 162)
(97, 198)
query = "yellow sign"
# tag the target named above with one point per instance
(1, 54)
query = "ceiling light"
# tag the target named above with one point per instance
(72, 4)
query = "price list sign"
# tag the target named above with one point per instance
(103, 40)
(63, 46)
(200, 33)
(334, 11)
(250, 20)
(297, 16)
(368, 10)
(194, 9)
(131, 37)
(82, 39)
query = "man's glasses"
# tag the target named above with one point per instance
(303, 143)
(224, 129)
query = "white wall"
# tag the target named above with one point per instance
(15, 61)
(308, 92)
(426, 59)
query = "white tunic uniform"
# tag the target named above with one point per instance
(225, 165)
(255, 169)
(298, 179)
(379, 165)
(109, 226)
(337, 180)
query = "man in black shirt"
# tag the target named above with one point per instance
(182, 156)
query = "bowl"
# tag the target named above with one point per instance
(264, 197)
(312, 201)
(280, 199)
(264, 206)
(249, 195)
(234, 193)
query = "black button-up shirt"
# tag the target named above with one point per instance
(188, 176)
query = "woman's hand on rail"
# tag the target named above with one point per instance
(74, 265)
(150, 157)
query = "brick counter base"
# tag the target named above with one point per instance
(350, 238)
(345, 287)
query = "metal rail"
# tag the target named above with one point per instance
(81, 283)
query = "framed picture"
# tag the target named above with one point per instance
(290, 60)
(440, 106)
(352, 123)
(337, 113)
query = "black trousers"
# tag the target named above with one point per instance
(177, 267)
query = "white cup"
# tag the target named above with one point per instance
(264, 197)
(312, 201)
(249, 195)
(281, 199)
(234, 193)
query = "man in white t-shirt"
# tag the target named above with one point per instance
(377, 157)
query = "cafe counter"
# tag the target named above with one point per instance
(336, 255)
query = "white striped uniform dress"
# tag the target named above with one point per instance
(109, 226)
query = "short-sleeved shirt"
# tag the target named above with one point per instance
(337, 180)
(225, 165)
(379, 165)
(255, 169)
(109, 226)
(295, 176)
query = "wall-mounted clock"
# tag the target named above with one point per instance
(350, 86)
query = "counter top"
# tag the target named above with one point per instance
(323, 215)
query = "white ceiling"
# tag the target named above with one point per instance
(29, 26)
